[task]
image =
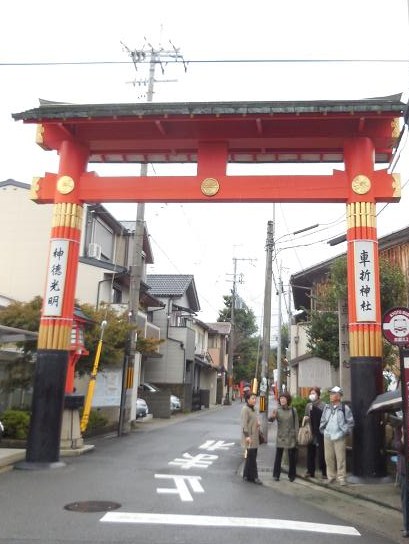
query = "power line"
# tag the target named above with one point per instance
(153, 58)
(208, 61)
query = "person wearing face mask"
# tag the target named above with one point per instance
(313, 411)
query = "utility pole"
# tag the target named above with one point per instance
(290, 321)
(265, 351)
(279, 369)
(155, 57)
(230, 354)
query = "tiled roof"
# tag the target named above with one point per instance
(14, 183)
(174, 286)
(221, 327)
(168, 284)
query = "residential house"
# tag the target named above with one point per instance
(105, 256)
(218, 343)
(205, 368)
(306, 286)
(105, 252)
(178, 370)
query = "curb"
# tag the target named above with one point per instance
(315, 483)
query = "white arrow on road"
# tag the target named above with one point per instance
(233, 522)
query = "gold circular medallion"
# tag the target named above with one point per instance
(210, 186)
(65, 185)
(361, 184)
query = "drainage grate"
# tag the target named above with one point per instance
(92, 506)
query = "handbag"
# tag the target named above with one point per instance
(305, 435)
(261, 438)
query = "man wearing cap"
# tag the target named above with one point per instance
(336, 423)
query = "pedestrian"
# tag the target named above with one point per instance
(241, 391)
(287, 432)
(315, 450)
(250, 432)
(399, 446)
(336, 423)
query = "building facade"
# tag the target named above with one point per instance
(306, 287)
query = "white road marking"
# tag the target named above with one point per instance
(218, 521)
(187, 461)
(181, 482)
(213, 445)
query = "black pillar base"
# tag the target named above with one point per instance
(368, 450)
(43, 444)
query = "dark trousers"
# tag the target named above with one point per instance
(250, 472)
(315, 451)
(292, 461)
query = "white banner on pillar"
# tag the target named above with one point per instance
(364, 268)
(56, 273)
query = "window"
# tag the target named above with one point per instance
(103, 236)
(116, 295)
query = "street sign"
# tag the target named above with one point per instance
(395, 326)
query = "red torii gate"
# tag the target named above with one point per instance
(357, 134)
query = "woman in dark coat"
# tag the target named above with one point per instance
(287, 432)
(313, 411)
(249, 439)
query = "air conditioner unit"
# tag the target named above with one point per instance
(94, 250)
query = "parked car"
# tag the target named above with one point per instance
(142, 409)
(175, 403)
(149, 387)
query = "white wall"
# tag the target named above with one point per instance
(298, 339)
(316, 371)
(25, 233)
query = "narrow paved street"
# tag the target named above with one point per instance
(167, 482)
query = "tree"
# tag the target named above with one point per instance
(323, 323)
(323, 336)
(26, 315)
(21, 315)
(245, 348)
(116, 336)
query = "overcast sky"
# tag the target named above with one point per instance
(193, 238)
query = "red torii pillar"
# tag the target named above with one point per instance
(364, 308)
(54, 340)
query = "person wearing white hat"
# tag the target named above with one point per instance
(336, 423)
